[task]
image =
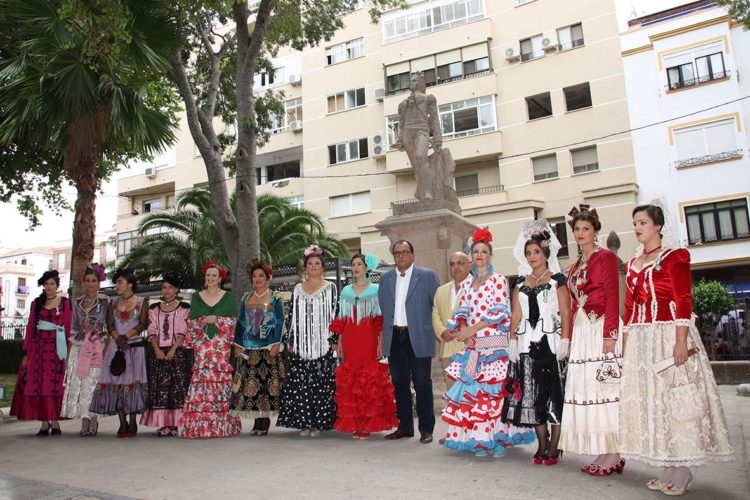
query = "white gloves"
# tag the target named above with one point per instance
(513, 351)
(563, 350)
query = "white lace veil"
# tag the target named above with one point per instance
(668, 239)
(529, 228)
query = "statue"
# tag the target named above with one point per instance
(419, 129)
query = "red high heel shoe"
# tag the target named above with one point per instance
(620, 466)
(553, 460)
(538, 459)
(599, 471)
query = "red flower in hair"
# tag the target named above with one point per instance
(213, 263)
(482, 235)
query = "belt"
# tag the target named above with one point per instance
(401, 329)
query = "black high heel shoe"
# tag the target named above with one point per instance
(43, 432)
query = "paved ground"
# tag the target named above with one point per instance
(284, 465)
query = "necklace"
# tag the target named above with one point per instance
(649, 252)
(539, 278)
(128, 297)
(167, 302)
(261, 295)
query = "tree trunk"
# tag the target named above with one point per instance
(84, 224)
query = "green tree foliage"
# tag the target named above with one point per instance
(739, 10)
(711, 298)
(285, 231)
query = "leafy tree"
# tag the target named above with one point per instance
(711, 300)
(285, 231)
(739, 10)
(214, 71)
(82, 91)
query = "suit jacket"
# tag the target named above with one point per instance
(442, 310)
(419, 299)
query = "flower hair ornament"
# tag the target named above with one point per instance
(371, 262)
(313, 250)
(481, 236)
(540, 232)
(581, 208)
(99, 270)
(223, 273)
(266, 268)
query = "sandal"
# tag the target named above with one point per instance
(93, 430)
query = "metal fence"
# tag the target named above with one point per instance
(12, 328)
(727, 337)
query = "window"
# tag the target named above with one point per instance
(695, 65)
(292, 113)
(157, 230)
(265, 79)
(345, 51)
(469, 117)
(531, 48)
(577, 96)
(426, 17)
(681, 76)
(539, 106)
(347, 100)
(21, 304)
(585, 160)
(23, 261)
(125, 242)
(450, 71)
(710, 67)
(706, 142)
(170, 201)
(350, 204)
(347, 151)
(399, 82)
(61, 261)
(21, 281)
(720, 221)
(282, 171)
(467, 185)
(297, 201)
(151, 206)
(570, 37)
(561, 231)
(391, 127)
(545, 167)
(476, 66)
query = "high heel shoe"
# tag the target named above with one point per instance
(43, 432)
(673, 490)
(548, 460)
(599, 471)
(620, 466)
(538, 459)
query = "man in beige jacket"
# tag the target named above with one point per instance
(447, 299)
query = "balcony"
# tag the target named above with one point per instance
(464, 150)
(695, 82)
(705, 159)
(22, 290)
(443, 81)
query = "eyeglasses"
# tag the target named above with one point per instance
(402, 253)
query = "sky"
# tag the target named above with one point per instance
(55, 230)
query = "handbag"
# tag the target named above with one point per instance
(118, 364)
(609, 372)
(682, 400)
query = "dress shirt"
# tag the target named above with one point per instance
(402, 288)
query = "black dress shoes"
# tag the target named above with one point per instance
(425, 437)
(399, 435)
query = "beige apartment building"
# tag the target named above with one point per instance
(532, 103)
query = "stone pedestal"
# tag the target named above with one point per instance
(435, 235)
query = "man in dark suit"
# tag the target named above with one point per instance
(405, 296)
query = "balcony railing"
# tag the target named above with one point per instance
(697, 81)
(570, 45)
(718, 238)
(534, 54)
(22, 290)
(443, 81)
(477, 191)
(700, 160)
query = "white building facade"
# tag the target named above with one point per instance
(689, 110)
(19, 271)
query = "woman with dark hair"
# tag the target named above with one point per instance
(209, 334)
(257, 344)
(590, 422)
(168, 363)
(39, 386)
(307, 398)
(475, 402)
(123, 384)
(670, 414)
(364, 393)
(86, 356)
(539, 330)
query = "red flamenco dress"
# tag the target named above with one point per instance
(364, 393)
(39, 387)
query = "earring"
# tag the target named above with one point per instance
(596, 240)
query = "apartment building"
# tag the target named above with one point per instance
(532, 104)
(19, 271)
(682, 71)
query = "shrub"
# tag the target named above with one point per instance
(10, 355)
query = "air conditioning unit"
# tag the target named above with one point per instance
(150, 172)
(512, 54)
(549, 44)
(296, 126)
(280, 183)
(377, 145)
(295, 79)
(379, 94)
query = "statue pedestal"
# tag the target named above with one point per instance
(435, 235)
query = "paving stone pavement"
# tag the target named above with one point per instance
(285, 465)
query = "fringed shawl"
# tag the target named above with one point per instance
(367, 303)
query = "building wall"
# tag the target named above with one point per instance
(501, 157)
(28, 265)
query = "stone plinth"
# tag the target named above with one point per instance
(435, 235)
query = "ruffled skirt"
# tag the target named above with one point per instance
(364, 397)
(475, 402)
(673, 418)
(78, 391)
(590, 420)
(307, 398)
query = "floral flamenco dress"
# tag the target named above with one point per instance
(364, 393)
(475, 401)
(206, 410)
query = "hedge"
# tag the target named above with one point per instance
(10, 355)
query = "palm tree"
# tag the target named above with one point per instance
(74, 86)
(285, 231)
